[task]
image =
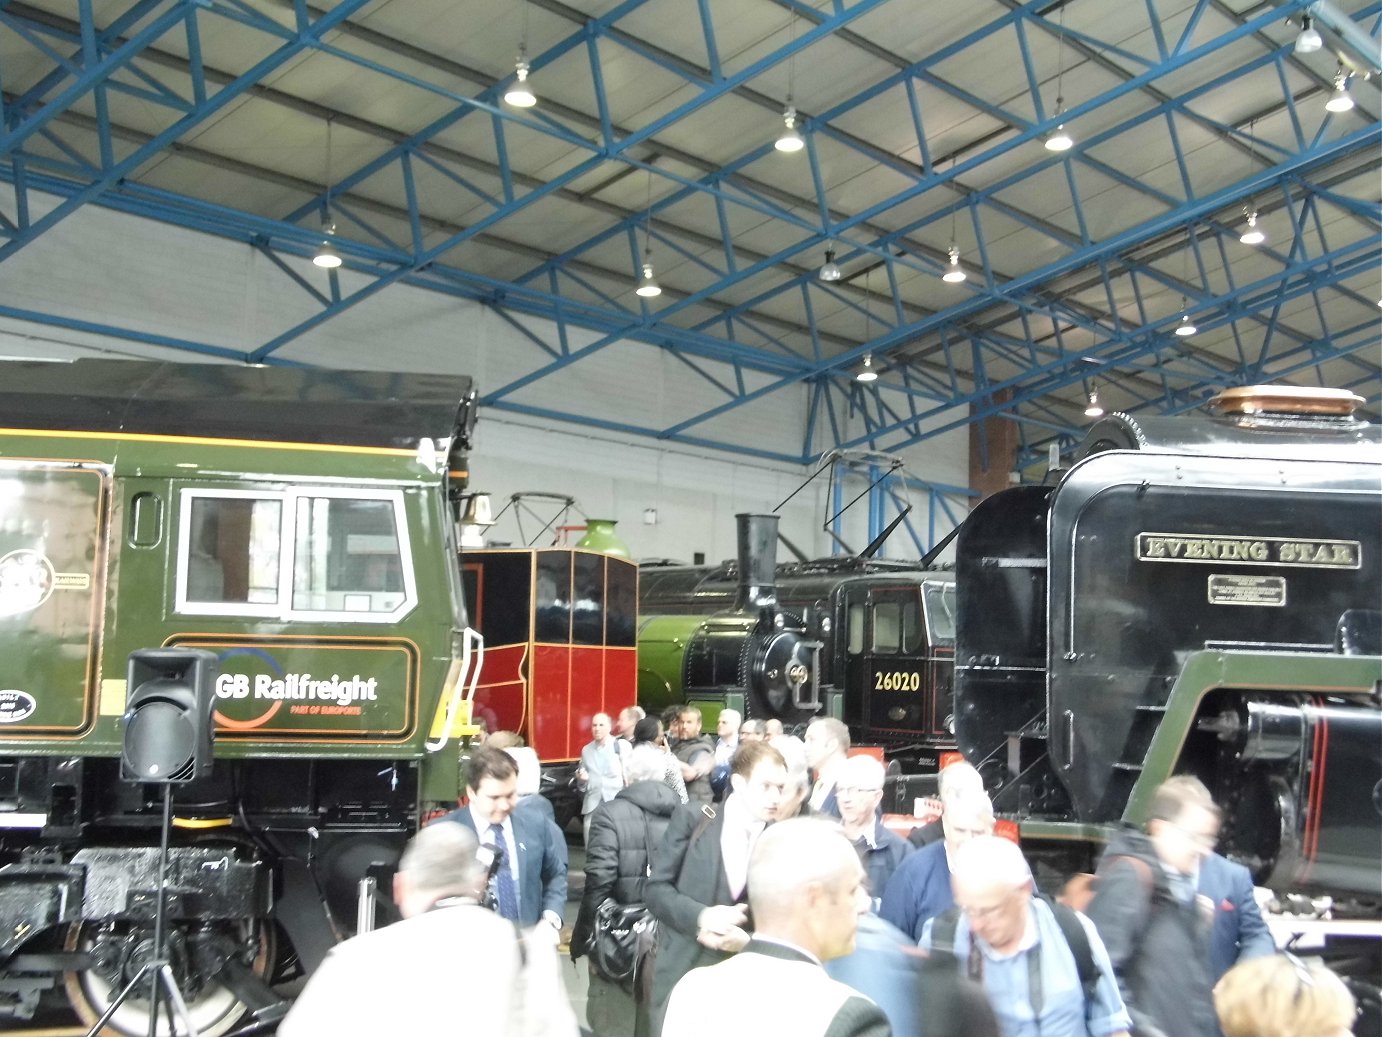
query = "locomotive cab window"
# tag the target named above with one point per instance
(327, 554)
(896, 627)
(228, 561)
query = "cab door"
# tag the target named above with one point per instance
(885, 659)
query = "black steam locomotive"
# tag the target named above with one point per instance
(1193, 595)
(868, 641)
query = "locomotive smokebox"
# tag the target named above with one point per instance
(757, 563)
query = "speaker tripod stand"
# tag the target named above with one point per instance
(157, 971)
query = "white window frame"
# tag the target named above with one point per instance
(184, 551)
(287, 557)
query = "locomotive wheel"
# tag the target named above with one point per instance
(214, 1010)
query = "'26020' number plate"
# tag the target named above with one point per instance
(895, 681)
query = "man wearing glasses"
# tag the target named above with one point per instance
(1152, 921)
(859, 792)
(1016, 947)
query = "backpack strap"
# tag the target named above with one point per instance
(943, 928)
(1078, 939)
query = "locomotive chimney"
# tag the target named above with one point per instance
(757, 563)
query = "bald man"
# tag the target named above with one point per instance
(921, 888)
(952, 780)
(806, 891)
(1000, 928)
(387, 981)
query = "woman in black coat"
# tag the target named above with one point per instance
(623, 831)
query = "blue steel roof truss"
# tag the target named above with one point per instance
(1018, 341)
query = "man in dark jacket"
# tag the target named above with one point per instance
(697, 889)
(626, 835)
(1150, 918)
(859, 791)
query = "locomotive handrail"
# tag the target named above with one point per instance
(472, 647)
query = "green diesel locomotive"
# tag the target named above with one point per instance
(298, 524)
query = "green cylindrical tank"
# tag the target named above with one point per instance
(662, 642)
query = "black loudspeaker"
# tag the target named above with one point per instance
(168, 732)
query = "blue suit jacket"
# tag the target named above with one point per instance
(1239, 931)
(541, 862)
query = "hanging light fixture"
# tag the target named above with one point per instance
(1186, 327)
(520, 94)
(1309, 39)
(1093, 410)
(326, 255)
(1340, 100)
(866, 372)
(830, 270)
(954, 273)
(1059, 139)
(790, 141)
(648, 288)
(1253, 235)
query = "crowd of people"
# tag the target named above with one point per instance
(764, 861)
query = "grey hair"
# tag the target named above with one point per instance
(991, 860)
(957, 777)
(440, 861)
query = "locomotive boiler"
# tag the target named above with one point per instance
(296, 524)
(1195, 594)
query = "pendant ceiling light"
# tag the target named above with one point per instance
(1309, 39)
(520, 94)
(790, 141)
(830, 270)
(1093, 410)
(954, 273)
(326, 255)
(1340, 100)
(867, 372)
(647, 287)
(1059, 139)
(1186, 327)
(1253, 235)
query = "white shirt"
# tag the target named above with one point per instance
(510, 847)
(737, 836)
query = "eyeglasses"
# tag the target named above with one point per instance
(980, 914)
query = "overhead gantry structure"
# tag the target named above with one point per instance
(923, 128)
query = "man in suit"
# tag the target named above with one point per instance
(1239, 930)
(827, 745)
(697, 887)
(387, 981)
(528, 880)
(806, 890)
